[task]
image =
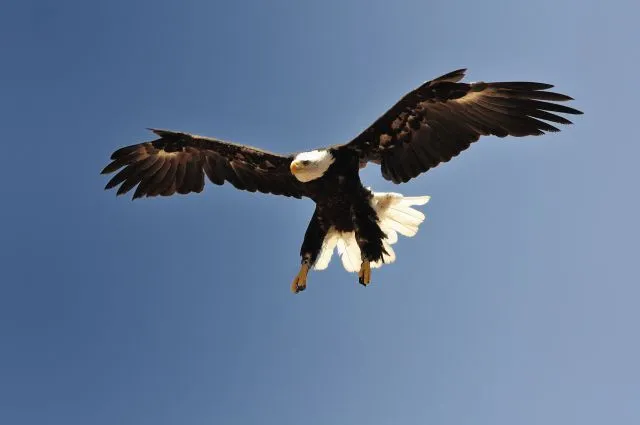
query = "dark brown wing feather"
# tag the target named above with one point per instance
(442, 117)
(178, 162)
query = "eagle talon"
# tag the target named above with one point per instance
(300, 281)
(364, 275)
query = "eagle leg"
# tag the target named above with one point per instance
(311, 247)
(364, 275)
(300, 281)
(368, 233)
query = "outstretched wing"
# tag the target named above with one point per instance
(442, 117)
(177, 162)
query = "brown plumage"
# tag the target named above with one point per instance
(428, 126)
(178, 162)
(442, 117)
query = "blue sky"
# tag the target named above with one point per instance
(515, 304)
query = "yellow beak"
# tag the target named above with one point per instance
(294, 167)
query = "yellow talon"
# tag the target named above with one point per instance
(300, 281)
(364, 276)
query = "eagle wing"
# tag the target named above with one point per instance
(178, 162)
(442, 117)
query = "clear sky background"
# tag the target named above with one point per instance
(517, 303)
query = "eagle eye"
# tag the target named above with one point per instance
(305, 162)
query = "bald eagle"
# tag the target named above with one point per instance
(428, 126)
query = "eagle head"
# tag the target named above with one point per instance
(307, 166)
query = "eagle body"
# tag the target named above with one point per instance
(343, 205)
(428, 126)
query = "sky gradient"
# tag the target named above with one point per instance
(516, 303)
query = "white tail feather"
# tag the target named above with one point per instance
(328, 245)
(349, 251)
(395, 216)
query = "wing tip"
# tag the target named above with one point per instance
(453, 76)
(160, 132)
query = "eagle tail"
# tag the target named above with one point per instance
(395, 214)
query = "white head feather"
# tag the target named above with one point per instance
(307, 166)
